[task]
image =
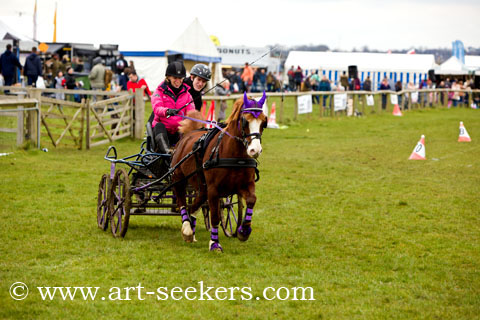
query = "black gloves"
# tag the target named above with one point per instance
(172, 112)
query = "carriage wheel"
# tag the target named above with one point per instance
(120, 203)
(102, 203)
(231, 209)
(206, 216)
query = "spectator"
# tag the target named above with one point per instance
(262, 77)
(315, 82)
(97, 75)
(441, 85)
(55, 66)
(71, 84)
(33, 68)
(344, 80)
(367, 84)
(200, 74)
(135, 83)
(131, 65)
(59, 84)
(324, 86)
(398, 87)
(222, 90)
(247, 77)
(384, 86)
(298, 77)
(120, 65)
(291, 79)
(8, 62)
(123, 79)
(270, 82)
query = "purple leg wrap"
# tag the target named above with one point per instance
(248, 214)
(193, 223)
(216, 246)
(214, 234)
(184, 214)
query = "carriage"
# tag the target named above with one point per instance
(214, 170)
(140, 184)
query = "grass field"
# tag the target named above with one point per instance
(340, 209)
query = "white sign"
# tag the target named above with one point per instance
(237, 55)
(370, 100)
(340, 101)
(304, 104)
(394, 99)
(414, 97)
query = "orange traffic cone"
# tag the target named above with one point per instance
(211, 114)
(419, 151)
(272, 122)
(463, 136)
(396, 111)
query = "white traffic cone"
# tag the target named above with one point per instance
(272, 122)
(396, 111)
(211, 115)
(463, 136)
(419, 151)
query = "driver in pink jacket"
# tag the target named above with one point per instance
(167, 100)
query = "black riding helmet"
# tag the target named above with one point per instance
(176, 69)
(201, 71)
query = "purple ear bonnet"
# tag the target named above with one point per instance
(253, 107)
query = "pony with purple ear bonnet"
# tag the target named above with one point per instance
(236, 147)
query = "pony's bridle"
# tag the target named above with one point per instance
(255, 109)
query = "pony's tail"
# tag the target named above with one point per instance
(188, 125)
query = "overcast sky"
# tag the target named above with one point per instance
(339, 24)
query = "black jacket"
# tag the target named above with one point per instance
(8, 62)
(196, 95)
(33, 65)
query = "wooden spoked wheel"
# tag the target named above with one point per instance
(120, 203)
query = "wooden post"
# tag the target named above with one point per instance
(296, 108)
(20, 127)
(87, 131)
(32, 122)
(139, 114)
(82, 123)
(321, 105)
(332, 106)
(280, 114)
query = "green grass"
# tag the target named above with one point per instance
(340, 209)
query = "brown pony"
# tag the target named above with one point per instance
(238, 142)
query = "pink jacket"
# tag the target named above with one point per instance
(163, 98)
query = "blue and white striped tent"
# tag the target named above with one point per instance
(396, 67)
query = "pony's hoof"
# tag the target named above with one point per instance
(243, 233)
(187, 232)
(215, 246)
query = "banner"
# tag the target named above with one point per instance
(340, 101)
(394, 99)
(370, 100)
(304, 104)
(414, 97)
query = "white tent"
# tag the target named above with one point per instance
(452, 66)
(9, 35)
(397, 67)
(194, 45)
(472, 63)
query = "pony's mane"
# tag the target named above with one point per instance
(236, 113)
(188, 125)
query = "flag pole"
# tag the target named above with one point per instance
(55, 24)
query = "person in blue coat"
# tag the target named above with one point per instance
(33, 67)
(8, 62)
